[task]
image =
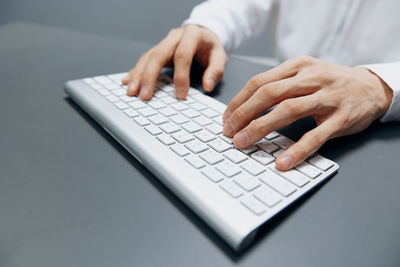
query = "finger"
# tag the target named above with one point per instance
(264, 98)
(307, 145)
(159, 57)
(284, 114)
(215, 68)
(183, 58)
(287, 69)
(135, 75)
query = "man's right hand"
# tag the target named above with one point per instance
(178, 49)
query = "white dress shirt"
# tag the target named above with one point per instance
(347, 32)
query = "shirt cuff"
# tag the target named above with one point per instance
(390, 74)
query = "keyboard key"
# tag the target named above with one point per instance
(214, 128)
(170, 127)
(277, 183)
(209, 113)
(147, 111)
(168, 88)
(102, 80)
(127, 98)
(180, 150)
(96, 86)
(249, 149)
(156, 104)
(197, 106)
(267, 196)
(131, 113)
(211, 157)
(267, 146)
(212, 174)
(218, 120)
(168, 100)
(283, 142)
(202, 121)
(158, 119)
(121, 105)
(104, 92)
(235, 156)
(231, 188)
(193, 91)
(167, 111)
(252, 167)
(278, 153)
(196, 146)
(321, 163)
(89, 81)
(141, 121)
(205, 136)
(272, 135)
(166, 139)
(119, 92)
(153, 130)
(190, 113)
(226, 139)
(188, 100)
(252, 204)
(262, 157)
(292, 176)
(112, 98)
(219, 145)
(246, 181)
(137, 104)
(179, 119)
(195, 161)
(112, 86)
(182, 137)
(308, 170)
(179, 106)
(228, 169)
(160, 94)
(191, 127)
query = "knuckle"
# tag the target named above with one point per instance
(238, 115)
(267, 92)
(256, 81)
(290, 106)
(182, 54)
(300, 151)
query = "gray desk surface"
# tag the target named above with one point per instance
(71, 196)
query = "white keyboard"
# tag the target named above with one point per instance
(234, 190)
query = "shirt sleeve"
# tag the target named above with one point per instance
(390, 74)
(233, 21)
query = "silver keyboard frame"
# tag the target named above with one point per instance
(227, 217)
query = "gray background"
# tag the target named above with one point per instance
(146, 20)
(72, 196)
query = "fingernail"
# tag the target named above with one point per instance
(228, 129)
(144, 90)
(286, 162)
(210, 82)
(241, 139)
(227, 114)
(131, 86)
(180, 92)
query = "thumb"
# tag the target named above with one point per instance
(215, 68)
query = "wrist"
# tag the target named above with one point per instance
(384, 92)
